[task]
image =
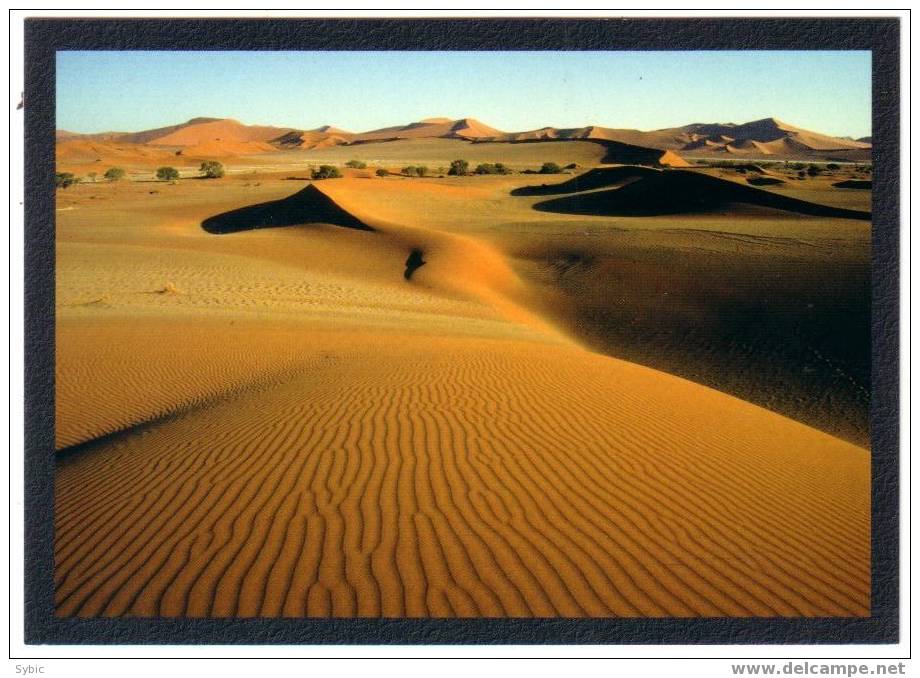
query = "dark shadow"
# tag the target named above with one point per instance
(765, 181)
(853, 183)
(626, 154)
(596, 178)
(309, 206)
(413, 263)
(682, 191)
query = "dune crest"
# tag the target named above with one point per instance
(308, 206)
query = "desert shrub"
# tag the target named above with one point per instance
(114, 174)
(813, 170)
(415, 171)
(490, 168)
(383, 172)
(833, 166)
(801, 174)
(550, 168)
(211, 169)
(326, 172)
(65, 179)
(356, 164)
(167, 174)
(571, 165)
(459, 168)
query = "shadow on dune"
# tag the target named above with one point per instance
(413, 263)
(596, 178)
(765, 181)
(682, 191)
(854, 183)
(309, 206)
(621, 153)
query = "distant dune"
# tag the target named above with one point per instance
(465, 128)
(77, 151)
(202, 130)
(226, 138)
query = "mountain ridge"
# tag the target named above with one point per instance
(226, 136)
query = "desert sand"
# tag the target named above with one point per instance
(444, 397)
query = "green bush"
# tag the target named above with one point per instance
(65, 179)
(211, 169)
(459, 168)
(356, 164)
(550, 168)
(326, 172)
(114, 174)
(167, 174)
(383, 172)
(415, 171)
(490, 168)
(833, 166)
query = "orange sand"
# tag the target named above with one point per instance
(277, 423)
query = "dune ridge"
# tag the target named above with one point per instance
(229, 138)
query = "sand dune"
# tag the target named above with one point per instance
(465, 128)
(422, 485)
(227, 138)
(100, 155)
(218, 148)
(323, 138)
(680, 191)
(771, 130)
(215, 130)
(259, 413)
(599, 177)
(310, 205)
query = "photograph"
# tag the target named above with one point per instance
(601, 350)
(461, 331)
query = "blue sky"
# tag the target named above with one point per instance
(828, 92)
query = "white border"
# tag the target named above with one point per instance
(660, 660)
